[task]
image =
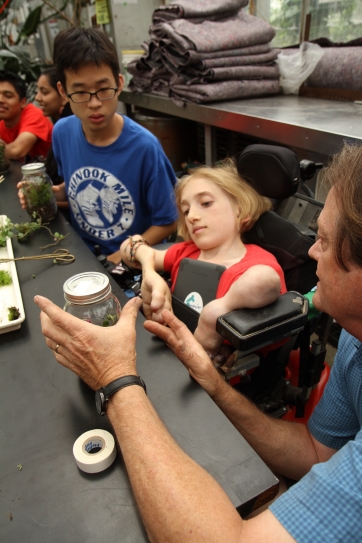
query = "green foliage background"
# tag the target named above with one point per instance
(338, 20)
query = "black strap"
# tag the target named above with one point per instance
(123, 382)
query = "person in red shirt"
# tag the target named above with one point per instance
(215, 207)
(23, 127)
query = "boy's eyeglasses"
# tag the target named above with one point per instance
(102, 94)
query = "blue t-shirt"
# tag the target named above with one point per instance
(118, 190)
(326, 504)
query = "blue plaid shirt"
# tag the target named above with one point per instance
(326, 504)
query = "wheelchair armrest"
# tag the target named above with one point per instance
(250, 329)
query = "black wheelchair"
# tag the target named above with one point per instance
(287, 379)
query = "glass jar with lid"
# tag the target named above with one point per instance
(38, 191)
(89, 297)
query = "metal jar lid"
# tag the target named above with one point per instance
(86, 288)
(34, 167)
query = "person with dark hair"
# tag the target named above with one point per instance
(56, 107)
(50, 101)
(178, 500)
(23, 127)
(118, 180)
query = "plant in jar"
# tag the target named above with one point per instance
(37, 188)
(39, 199)
(88, 296)
(4, 161)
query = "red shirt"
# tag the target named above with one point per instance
(31, 120)
(254, 255)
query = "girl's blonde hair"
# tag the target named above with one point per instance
(252, 205)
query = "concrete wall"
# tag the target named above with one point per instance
(131, 21)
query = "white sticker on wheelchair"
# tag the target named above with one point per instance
(194, 300)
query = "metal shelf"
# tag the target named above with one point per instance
(310, 124)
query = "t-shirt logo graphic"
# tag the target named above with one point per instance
(101, 204)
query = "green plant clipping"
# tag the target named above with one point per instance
(6, 231)
(13, 313)
(5, 278)
(110, 320)
(22, 231)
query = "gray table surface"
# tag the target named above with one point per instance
(45, 408)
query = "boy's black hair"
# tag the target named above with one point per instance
(52, 75)
(16, 81)
(77, 47)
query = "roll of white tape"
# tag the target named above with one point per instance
(94, 451)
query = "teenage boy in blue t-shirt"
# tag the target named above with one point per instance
(118, 180)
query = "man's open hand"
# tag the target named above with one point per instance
(98, 355)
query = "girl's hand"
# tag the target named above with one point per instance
(156, 296)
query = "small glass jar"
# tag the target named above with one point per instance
(38, 191)
(89, 297)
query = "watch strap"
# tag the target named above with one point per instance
(122, 382)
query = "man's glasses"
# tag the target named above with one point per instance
(102, 94)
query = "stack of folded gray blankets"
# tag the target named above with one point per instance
(206, 51)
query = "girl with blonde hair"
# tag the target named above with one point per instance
(216, 206)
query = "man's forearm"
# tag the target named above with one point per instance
(286, 447)
(13, 151)
(21, 146)
(177, 499)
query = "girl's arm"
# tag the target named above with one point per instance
(145, 257)
(156, 295)
(257, 287)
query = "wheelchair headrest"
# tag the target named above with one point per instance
(273, 171)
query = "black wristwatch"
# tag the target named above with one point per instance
(103, 394)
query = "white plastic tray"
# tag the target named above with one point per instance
(10, 295)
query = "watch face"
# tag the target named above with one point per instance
(99, 397)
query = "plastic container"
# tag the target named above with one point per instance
(38, 191)
(88, 296)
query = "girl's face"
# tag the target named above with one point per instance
(210, 215)
(49, 100)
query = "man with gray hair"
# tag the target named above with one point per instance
(177, 499)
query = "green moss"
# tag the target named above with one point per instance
(5, 278)
(38, 195)
(13, 313)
